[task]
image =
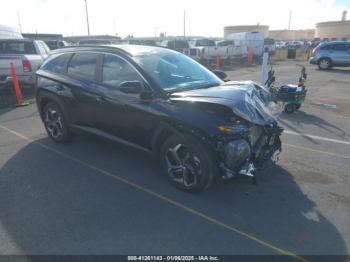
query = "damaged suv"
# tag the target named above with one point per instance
(162, 102)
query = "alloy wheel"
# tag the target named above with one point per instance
(53, 123)
(183, 167)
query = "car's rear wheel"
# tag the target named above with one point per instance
(324, 63)
(55, 123)
(289, 108)
(188, 165)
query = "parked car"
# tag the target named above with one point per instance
(162, 102)
(177, 45)
(202, 49)
(329, 54)
(56, 44)
(94, 42)
(281, 44)
(229, 49)
(147, 42)
(26, 56)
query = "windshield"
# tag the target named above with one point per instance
(175, 72)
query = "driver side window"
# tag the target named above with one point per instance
(116, 71)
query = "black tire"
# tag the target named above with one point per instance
(297, 106)
(289, 108)
(55, 123)
(324, 64)
(196, 161)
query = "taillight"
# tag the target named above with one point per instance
(27, 66)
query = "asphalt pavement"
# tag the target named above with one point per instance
(96, 197)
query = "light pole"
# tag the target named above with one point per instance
(87, 18)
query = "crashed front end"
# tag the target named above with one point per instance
(251, 139)
(248, 149)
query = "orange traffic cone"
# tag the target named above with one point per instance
(19, 96)
(218, 62)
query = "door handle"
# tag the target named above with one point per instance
(59, 87)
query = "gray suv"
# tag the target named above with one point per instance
(329, 54)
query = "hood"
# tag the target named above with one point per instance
(244, 102)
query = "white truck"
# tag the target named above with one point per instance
(208, 49)
(26, 56)
(252, 40)
(230, 50)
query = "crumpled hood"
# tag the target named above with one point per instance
(242, 100)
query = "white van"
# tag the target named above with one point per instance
(253, 41)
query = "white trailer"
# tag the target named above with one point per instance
(253, 41)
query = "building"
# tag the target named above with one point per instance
(333, 30)
(291, 35)
(246, 28)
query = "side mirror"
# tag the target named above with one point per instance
(220, 74)
(131, 87)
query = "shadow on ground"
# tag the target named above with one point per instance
(52, 205)
(296, 121)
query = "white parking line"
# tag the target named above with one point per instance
(317, 151)
(289, 132)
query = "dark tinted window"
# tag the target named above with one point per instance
(205, 42)
(58, 65)
(116, 71)
(83, 65)
(51, 44)
(326, 47)
(17, 47)
(339, 47)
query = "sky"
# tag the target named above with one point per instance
(151, 17)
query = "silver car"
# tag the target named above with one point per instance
(329, 54)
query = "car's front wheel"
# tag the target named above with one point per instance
(55, 123)
(187, 163)
(324, 63)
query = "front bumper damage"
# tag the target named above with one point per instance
(245, 156)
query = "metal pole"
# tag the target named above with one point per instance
(87, 18)
(290, 18)
(19, 22)
(184, 24)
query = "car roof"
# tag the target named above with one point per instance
(16, 40)
(131, 50)
(334, 42)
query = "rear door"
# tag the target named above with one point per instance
(82, 70)
(339, 53)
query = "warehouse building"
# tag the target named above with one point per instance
(246, 28)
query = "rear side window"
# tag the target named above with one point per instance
(326, 47)
(83, 65)
(17, 47)
(339, 47)
(58, 65)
